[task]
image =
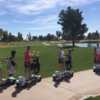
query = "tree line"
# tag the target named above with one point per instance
(6, 36)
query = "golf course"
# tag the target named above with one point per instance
(48, 53)
(82, 63)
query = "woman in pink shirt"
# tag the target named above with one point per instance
(27, 62)
(97, 54)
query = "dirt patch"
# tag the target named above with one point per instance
(3, 46)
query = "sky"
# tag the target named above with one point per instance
(41, 16)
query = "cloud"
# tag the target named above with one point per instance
(33, 6)
(42, 29)
(30, 7)
(81, 2)
(42, 23)
(41, 20)
(2, 13)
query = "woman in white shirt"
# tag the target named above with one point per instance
(61, 57)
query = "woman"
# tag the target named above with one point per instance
(61, 57)
(12, 63)
(35, 65)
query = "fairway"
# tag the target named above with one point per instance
(82, 57)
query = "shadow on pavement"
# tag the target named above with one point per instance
(20, 89)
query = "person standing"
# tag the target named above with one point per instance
(0, 72)
(68, 60)
(61, 57)
(97, 54)
(27, 62)
(35, 65)
(12, 63)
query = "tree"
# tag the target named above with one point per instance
(89, 36)
(1, 33)
(72, 24)
(11, 37)
(5, 36)
(34, 38)
(29, 37)
(58, 34)
(20, 37)
(41, 38)
(93, 35)
(50, 37)
(96, 35)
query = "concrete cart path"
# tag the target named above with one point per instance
(82, 84)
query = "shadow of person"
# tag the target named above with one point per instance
(17, 91)
(1, 90)
(20, 89)
(5, 86)
(30, 85)
(97, 73)
(56, 84)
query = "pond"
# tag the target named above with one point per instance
(83, 45)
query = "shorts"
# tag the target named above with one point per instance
(68, 62)
(34, 66)
(27, 65)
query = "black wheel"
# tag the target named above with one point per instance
(94, 70)
(39, 79)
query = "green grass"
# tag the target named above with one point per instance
(91, 98)
(82, 58)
